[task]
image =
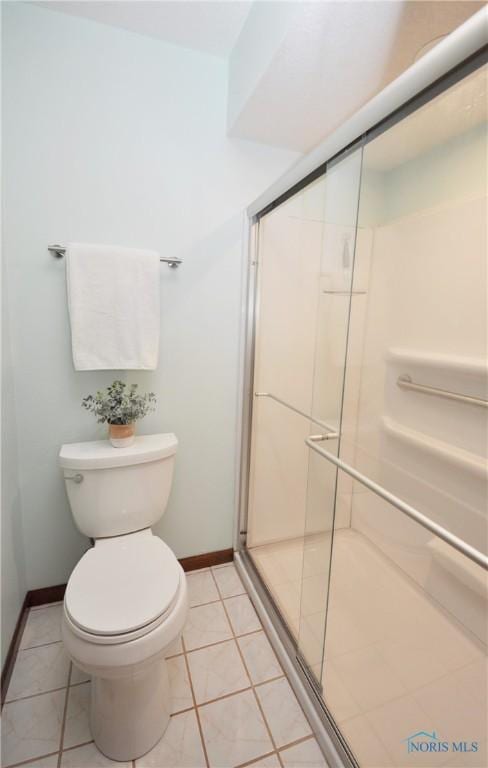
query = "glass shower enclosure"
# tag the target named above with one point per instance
(366, 505)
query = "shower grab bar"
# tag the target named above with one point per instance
(331, 434)
(60, 250)
(405, 382)
(466, 549)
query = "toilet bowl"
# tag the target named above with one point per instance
(126, 601)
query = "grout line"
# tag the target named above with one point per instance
(30, 760)
(240, 690)
(208, 602)
(250, 680)
(197, 714)
(219, 642)
(181, 711)
(249, 764)
(65, 711)
(50, 690)
(76, 746)
(40, 645)
(174, 655)
(36, 695)
(289, 745)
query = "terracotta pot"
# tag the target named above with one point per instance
(121, 435)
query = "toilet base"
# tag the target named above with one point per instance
(130, 714)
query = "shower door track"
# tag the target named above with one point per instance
(464, 51)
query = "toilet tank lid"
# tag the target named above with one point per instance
(100, 454)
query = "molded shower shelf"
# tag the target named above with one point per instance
(459, 457)
(473, 366)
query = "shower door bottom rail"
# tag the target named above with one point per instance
(466, 549)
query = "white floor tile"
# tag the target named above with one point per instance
(180, 747)
(88, 756)
(304, 755)
(228, 581)
(179, 682)
(259, 656)
(201, 587)
(43, 626)
(242, 615)
(39, 669)
(234, 730)
(216, 671)
(282, 711)
(31, 727)
(206, 624)
(77, 728)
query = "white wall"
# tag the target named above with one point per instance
(13, 561)
(113, 137)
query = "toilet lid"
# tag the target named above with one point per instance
(122, 584)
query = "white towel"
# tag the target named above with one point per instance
(113, 298)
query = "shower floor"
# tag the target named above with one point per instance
(395, 662)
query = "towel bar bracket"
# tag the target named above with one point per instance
(59, 251)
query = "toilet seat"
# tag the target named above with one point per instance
(122, 588)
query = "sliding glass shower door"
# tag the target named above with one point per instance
(370, 402)
(404, 672)
(306, 257)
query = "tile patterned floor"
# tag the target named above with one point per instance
(232, 705)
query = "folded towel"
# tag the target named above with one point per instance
(113, 298)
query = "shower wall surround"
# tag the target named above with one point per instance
(114, 137)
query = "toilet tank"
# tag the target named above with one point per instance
(113, 491)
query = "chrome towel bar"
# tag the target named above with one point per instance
(405, 382)
(466, 549)
(60, 250)
(332, 434)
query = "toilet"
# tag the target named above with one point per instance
(126, 601)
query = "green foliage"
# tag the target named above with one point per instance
(119, 404)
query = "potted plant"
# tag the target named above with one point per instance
(120, 407)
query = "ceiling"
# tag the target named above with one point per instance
(333, 58)
(209, 26)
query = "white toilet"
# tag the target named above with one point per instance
(126, 600)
